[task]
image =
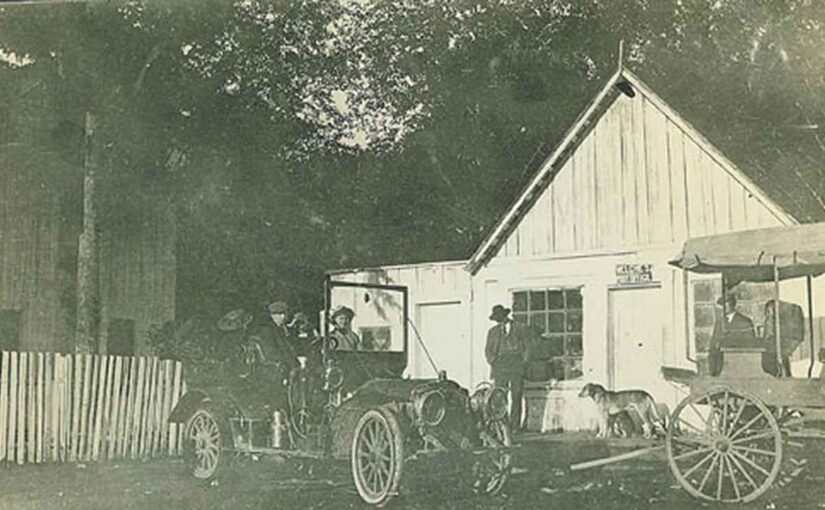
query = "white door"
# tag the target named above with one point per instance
(636, 338)
(439, 325)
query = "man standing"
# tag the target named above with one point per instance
(506, 352)
(733, 330)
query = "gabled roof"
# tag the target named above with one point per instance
(623, 81)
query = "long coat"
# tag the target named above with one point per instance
(736, 332)
(507, 353)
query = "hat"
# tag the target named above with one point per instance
(299, 318)
(728, 297)
(499, 314)
(277, 307)
(342, 310)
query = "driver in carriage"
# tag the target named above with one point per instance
(732, 330)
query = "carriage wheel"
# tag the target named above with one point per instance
(202, 444)
(494, 467)
(724, 446)
(377, 456)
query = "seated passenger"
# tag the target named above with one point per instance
(733, 330)
(791, 331)
(346, 339)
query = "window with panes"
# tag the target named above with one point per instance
(555, 316)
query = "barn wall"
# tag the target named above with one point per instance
(138, 272)
(636, 179)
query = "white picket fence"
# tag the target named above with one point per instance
(78, 407)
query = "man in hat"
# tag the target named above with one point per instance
(345, 338)
(731, 330)
(506, 352)
(274, 337)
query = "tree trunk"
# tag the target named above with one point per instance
(88, 301)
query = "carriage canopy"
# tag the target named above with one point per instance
(750, 255)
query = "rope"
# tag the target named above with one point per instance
(423, 346)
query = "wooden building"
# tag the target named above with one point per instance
(40, 220)
(582, 256)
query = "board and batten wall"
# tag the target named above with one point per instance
(639, 177)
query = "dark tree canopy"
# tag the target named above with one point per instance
(298, 136)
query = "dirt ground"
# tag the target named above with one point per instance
(541, 480)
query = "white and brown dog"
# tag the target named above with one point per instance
(638, 404)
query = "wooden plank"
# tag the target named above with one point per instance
(77, 394)
(563, 225)
(114, 422)
(105, 419)
(4, 401)
(606, 178)
(658, 172)
(48, 407)
(697, 225)
(136, 408)
(41, 410)
(638, 164)
(615, 458)
(55, 405)
(737, 207)
(130, 402)
(11, 438)
(678, 182)
(22, 385)
(90, 363)
(721, 198)
(31, 408)
(103, 375)
(149, 396)
(160, 402)
(68, 406)
(168, 373)
(584, 195)
(176, 393)
(627, 172)
(125, 392)
(181, 429)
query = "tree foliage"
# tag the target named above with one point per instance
(303, 135)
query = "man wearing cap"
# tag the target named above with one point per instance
(731, 330)
(274, 338)
(343, 335)
(506, 352)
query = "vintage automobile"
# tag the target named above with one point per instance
(344, 405)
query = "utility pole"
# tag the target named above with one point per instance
(88, 290)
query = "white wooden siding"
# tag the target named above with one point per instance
(637, 178)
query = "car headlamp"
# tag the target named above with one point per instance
(431, 408)
(490, 401)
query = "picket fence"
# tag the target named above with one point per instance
(80, 407)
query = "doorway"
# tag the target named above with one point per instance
(440, 329)
(635, 338)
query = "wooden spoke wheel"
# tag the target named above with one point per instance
(377, 456)
(724, 445)
(202, 444)
(493, 469)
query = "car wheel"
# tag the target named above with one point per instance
(494, 466)
(204, 439)
(377, 456)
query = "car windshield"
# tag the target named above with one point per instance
(367, 319)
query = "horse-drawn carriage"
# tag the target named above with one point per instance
(349, 405)
(725, 439)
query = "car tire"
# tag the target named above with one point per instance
(205, 442)
(377, 456)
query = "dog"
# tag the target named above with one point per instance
(615, 407)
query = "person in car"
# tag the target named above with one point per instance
(343, 335)
(274, 337)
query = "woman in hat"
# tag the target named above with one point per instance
(346, 339)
